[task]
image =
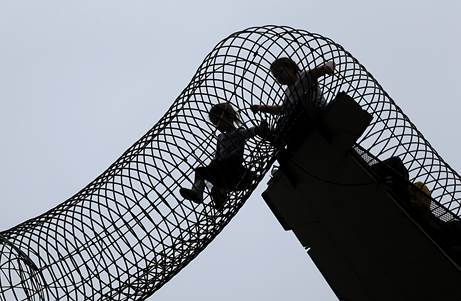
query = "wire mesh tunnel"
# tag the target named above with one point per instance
(129, 231)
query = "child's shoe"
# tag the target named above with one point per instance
(191, 195)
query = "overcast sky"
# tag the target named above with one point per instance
(80, 81)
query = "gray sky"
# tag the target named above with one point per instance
(82, 80)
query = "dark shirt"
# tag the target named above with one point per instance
(231, 144)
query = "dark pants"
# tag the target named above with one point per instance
(226, 174)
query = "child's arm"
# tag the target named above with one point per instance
(270, 109)
(326, 69)
(246, 133)
(260, 130)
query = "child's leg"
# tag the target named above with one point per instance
(195, 194)
(199, 181)
(227, 175)
(233, 177)
(220, 174)
(218, 197)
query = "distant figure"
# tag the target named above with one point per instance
(420, 197)
(419, 206)
(302, 101)
(447, 234)
(226, 171)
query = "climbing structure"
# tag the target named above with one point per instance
(129, 232)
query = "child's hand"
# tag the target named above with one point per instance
(255, 108)
(264, 125)
(263, 130)
(329, 67)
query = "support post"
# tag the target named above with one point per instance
(364, 244)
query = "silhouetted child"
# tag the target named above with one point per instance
(447, 234)
(226, 171)
(303, 97)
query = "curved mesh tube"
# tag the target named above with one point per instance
(128, 232)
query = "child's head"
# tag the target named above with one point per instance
(223, 116)
(284, 70)
(421, 195)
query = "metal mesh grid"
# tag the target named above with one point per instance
(128, 232)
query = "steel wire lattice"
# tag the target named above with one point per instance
(128, 232)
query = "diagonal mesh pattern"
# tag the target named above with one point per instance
(128, 232)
